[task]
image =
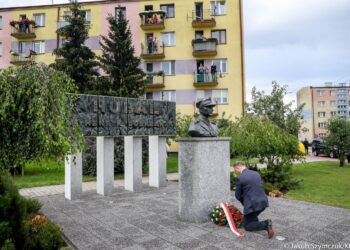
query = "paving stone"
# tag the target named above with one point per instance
(191, 244)
(155, 244)
(325, 236)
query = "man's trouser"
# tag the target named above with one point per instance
(252, 223)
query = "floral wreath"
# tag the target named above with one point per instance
(228, 214)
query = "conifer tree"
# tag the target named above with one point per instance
(78, 60)
(118, 60)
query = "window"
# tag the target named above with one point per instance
(168, 95)
(321, 103)
(87, 15)
(66, 15)
(0, 49)
(220, 35)
(0, 22)
(333, 113)
(321, 135)
(218, 8)
(321, 125)
(332, 92)
(39, 20)
(39, 47)
(221, 65)
(169, 10)
(120, 10)
(332, 103)
(319, 92)
(168, 68)
(149, 95)
(220, 96)
(148, 7)
(168, 39)
(149, 67)
(321, 114)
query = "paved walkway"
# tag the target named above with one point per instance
(148, 220)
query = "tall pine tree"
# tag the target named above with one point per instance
(78, 60)
(118, 60)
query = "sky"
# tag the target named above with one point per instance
(294, 42)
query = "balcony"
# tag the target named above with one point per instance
(204, 47)
(151, 52)
(152, 20)
(205, 80)
(203, 20)
(22, 58)
(155, 80)
(22, 30)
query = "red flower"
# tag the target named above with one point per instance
(238, 216)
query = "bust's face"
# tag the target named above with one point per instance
(206, 111)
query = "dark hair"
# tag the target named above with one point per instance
(238, 163)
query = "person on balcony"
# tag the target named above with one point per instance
(213, 72)
(201, 73)
(155, 44)
(155, 19)
(150, 44)
(206, 74)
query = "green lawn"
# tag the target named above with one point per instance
(324, 182)
(49, 172)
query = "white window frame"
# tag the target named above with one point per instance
(1, 49)
(319, 92)
(333, 113)
(41, 47)
(165, 7)
(321, 125)
(219, 38)
(170, 70)
(321, 103)
(87, 15)
(219, 65)
(0, 22)
(168, 39)
(333, 103)
(221, 98)
(218, 8)
(168, 95)
(116, 11)
(321, 114)
(332, 93)
(42, 19)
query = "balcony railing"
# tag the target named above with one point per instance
(205, 79)
(22, 58)
(155, 80)
(203, 20)
(21, 30)
(215, 110)
(204, 47)
(152, 20)
(152, 52)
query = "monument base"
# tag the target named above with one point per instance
(204, 176)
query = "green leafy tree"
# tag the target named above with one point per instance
(273, 108)
(339, 137)
(35, 119)
(118, 60)
(78, 60)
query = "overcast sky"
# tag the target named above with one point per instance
(295, 42)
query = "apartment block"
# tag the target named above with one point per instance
(321, 104)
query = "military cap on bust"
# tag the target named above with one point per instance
(205, 103)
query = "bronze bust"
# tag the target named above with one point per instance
(202, 127)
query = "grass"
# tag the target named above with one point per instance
(50, 172)
(323, 182)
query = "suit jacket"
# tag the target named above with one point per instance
(200, 128)
(250, 191)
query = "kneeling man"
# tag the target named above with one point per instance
(250, 192)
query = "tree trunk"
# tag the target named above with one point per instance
(341, 160)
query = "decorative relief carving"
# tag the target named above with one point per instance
(115, 116)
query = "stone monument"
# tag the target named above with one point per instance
(204, 167)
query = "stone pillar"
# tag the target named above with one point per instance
(157, 161)
(204, 176)
(105, 165)
(133, 163)
(73, 176)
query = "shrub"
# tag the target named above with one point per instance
(33, 206)
(8, 245)
(233, 181)
(44, 234)
(268, 187)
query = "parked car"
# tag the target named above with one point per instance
(320, 148)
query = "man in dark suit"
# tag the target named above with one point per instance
(250, 192)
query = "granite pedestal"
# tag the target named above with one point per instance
(105, 165)
(73, 176)
(204, 176)
(157, 161)
(133, 163)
